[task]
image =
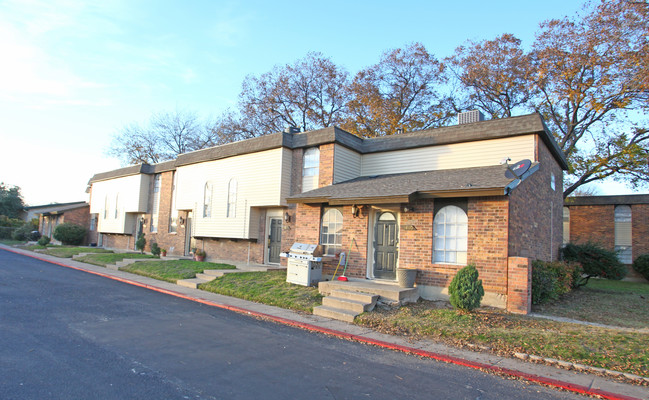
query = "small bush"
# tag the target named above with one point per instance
(69, 233)
(465, 289)
(641, 264)
(25, 233)
(550, 280)
(595, 260)
(140, 242)
(155, 249)
(44, 241)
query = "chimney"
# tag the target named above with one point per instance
(292, 129)
(469, 117)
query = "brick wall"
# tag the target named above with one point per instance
(326, 173)
(536, 211)
(487, 243)
(519, 288)
(218, 249)
(640, 229)
(173, 242)
(593, 224)
(117, 241)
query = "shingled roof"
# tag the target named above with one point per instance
(607, 200)
(483, 130)
(406, 187)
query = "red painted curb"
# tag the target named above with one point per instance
(411, 350)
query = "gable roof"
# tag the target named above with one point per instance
(483, 130)
(407, 187)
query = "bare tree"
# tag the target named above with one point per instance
(162, 138)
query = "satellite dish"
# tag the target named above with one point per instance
(518, 169)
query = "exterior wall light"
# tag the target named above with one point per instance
(287, 217)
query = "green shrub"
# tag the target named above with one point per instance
(595, 260)
(641, 264)
(26, 233)
(6, 232)
(155, 249)
(44, 241)
(69, 233)
(140, 242)
(550, 280)
(465, 289)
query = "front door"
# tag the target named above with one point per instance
(385, 246)
(275, 240)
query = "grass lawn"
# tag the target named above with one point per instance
(68, 252)
(266, 287)
(103, 259)
(607, 302)
(172, 270)
(507, 333)
(11, 242)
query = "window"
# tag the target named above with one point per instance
(331, 233)
(173, 214)
(310, 169)
(231, 211)
(93, 222)
(566, 225)
(553, 183)
(156, 203)
(623, 234)
(311, 162)
(450, 231)
(106, 207)
(116, 206)
(207, 200)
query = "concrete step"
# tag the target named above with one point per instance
(347, 304)
(113, 267)
(206, 277)
(191, 283)
(357, 296)
(334, 313)
(389, 293)
(215, 273)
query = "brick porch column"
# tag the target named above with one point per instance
(519, 285)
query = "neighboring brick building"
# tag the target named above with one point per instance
(434, 200)
(619, 223)
(51, 215)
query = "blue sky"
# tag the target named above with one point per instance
(74, 72)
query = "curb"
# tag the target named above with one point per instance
(362, 339)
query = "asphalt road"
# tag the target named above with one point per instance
(66, 334)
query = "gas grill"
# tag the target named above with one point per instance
(304, 265)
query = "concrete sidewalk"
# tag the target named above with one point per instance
(579, 382)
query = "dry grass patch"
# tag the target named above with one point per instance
(617, 303)
(507, 333)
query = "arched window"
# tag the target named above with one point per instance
(207, 200)
(310, 169)
(450, 232)
(232, 199)
(106, 207)
(331, 232)
(623, 233)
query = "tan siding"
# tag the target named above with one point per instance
(347, 164)
(261, 180)
(458, 155)
(132, 192)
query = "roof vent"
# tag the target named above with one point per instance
(469, 117)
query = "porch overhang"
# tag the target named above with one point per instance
(408, 187)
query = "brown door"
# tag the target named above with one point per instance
(385, 246)
(275, 240)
